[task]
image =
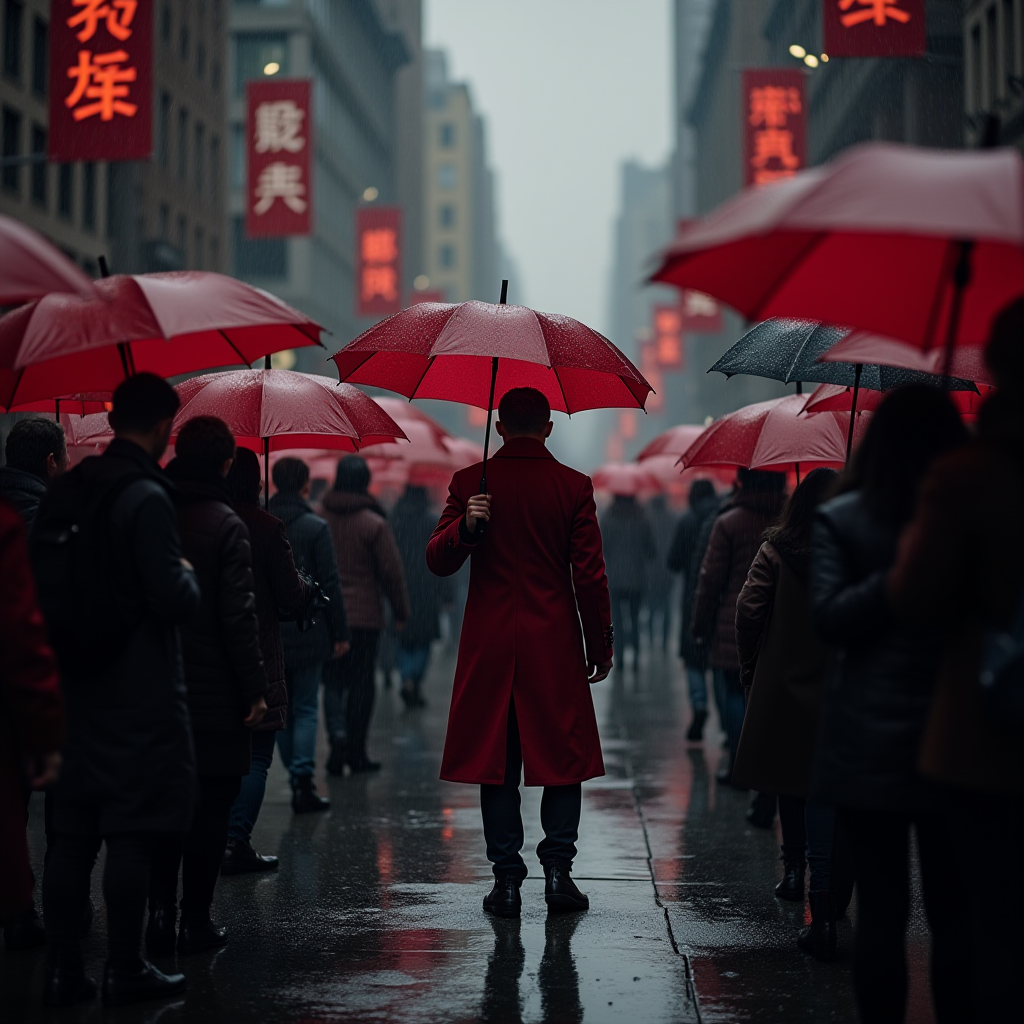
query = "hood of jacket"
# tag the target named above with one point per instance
(344, 503)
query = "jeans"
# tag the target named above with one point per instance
(297, 740)
(626, 609)
(246, 808)
(732, 704)
(697, 683)
(808, 830)
(560, 808)
(412, 662)
(350, 684)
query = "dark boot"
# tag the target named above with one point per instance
(819, 937)
(792, 885)
(200, 935)
(504, 899)
(336, 762)
(160, 931)
(305, 797)
(560, 890)
(696, 731)
(240, 858)
(761, 812)
(122, 987)
(66, 988)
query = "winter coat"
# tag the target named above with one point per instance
(413, 522)
(734, 541)
(313, 551)
(369, 564)
(129, 763)
(278, 589)
(685, 556)
(538, 611)
(960, 566)
(32, 721)
(628, 543)
(659, 575)
(23, 490)
(224, 669)
(880, 681)
(783, 663)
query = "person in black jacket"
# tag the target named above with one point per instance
(36, 453)
(226, 681)
(306, 654)
(628, 547)
(129, 766)
(876, 700)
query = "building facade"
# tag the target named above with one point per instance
(994, 71)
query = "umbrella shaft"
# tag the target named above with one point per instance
(853, 410)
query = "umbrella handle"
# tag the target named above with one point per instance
(266, 474)
(481, 527)
(858, 368)
(961, 279)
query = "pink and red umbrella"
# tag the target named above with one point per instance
(626, 478)
(837, 398)
(32, 267)
(673, 441)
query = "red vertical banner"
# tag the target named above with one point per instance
(378, 260)
(101, 80)
(652, 374)
(668, 337)
(279, 159)
(774, 124)
(701, 313)
(874, 28)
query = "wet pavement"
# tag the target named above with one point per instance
(375, 914)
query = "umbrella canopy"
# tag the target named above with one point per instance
(673, 441)
(626, 478)
(873, 240)
(32, 267)
(860, 346)
(836, 398)
(775, 435)
(788, 350)
(422, 446)
(80, 404)
(445, 351)
(65, 343)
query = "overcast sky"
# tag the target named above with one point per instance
(569, 89)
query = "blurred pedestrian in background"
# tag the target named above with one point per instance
(307, 653)
(875, 706)
(685, 556)
(370, 568)
(629, 548)
(278, 589)
(734, 541)
(660, 581)
(36, 452)
(413, 522)
(782, 671)
(959, 570)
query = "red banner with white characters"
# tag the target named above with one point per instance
(874, 28)
(378, 260)
(668, 337)
(101, 80)
(701, 313)
(774, 124)
(279, 123)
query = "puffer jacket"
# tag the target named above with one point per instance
(879, 685)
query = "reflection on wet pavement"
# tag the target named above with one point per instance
(375, 914)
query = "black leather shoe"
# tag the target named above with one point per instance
(65, 988)
(560, 890)
(160, 931)
(123, 987)
(504, 899)
(696, 731)
(819, 937)
(792, 885)
(199, 936)
(305, 798)
(240, 857)
(25, 933)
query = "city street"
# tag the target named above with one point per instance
(375, 914)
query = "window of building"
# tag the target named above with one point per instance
(991, 55)
(11, 177)
(446, 215)
(446, 256)
(165, 23)
(182, 233)
(183, 41)
(446, 134)
(215, 170)
(198, 247)
(978, 101)
(258, 257)
(255, 53)
(200, 58)
(14, 16)
(182, 144)
(40, 56)
(236, 171)
(164, 223)
(215, 76)
(1010, 31)
(200, 153)
(215, 253)
(163, 129)
(40, 172)
(66, 191)
(89, 196)
(446, 176)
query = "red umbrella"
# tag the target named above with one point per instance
(65, 343)
(405, 412)
(775, 436)
(673, 441)
(32, 267)
(626, 478)
(837, 398)
(885, 238)
(81, 404)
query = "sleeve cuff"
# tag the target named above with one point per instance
(465, 537)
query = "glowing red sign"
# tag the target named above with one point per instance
(874, 28)
(773, 117)
(378, 260)
(668, 337)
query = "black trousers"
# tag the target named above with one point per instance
(503, 823)
(125, 884)
(626, 616)
(354, 675)
(198, 853)
(880, 841)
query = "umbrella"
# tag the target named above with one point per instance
(65, 343)
(859, 346)
(80, 404)
(673, 441)
(775, 436)
(626, 478)
(836, 398)
(32, 267)
(917, 244)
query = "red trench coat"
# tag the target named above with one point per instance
(538, 610)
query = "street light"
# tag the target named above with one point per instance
(271, 68)
(798, 51)
(421, 282)
(369, 194)
(811, 61)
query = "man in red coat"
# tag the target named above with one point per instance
(537, 631)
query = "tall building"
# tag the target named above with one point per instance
(994, 69)
(353, 54)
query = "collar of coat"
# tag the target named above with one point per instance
(523, 448)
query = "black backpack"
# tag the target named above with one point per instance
(85, 599)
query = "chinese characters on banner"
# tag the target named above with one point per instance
(874, 28)
(773, 119)
(378, 260)
(101, 80)
(668, 337)
(280, 147)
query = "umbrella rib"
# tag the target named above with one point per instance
(562, 389)
(815, 241)
(430, 363)
(241, 358)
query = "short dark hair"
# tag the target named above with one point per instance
(701, 490)
(524, 411)
(290, 475)
(206, 441)
(31, 441)
(243, 478)
(353, 476)
(141, 402)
